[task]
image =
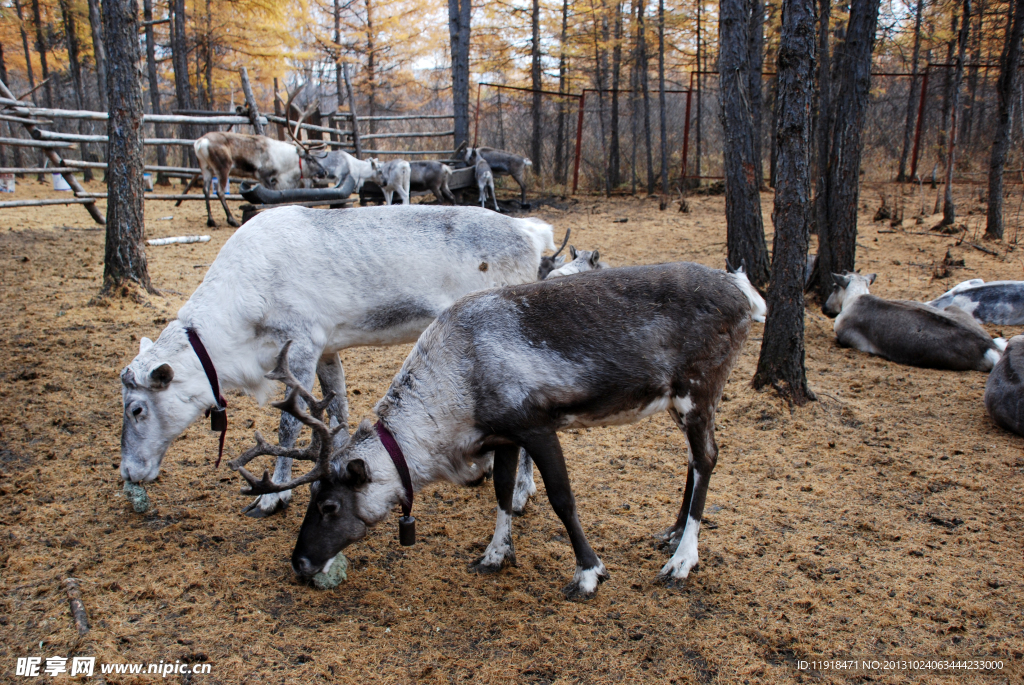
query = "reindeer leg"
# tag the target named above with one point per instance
(522, 189)
(525, 487)
(500, 552)
(207, 181)
(699, 426)
(547, 453)
(303, 365)
(331, 374)
(221, 184)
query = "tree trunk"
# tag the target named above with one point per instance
(75, 68)
(781, 363)
(600, 74)
(535, 73)
(754, 74)
(124, 260)
(337, 56)
(614, 146)
(967, 116)
(947, 88)
(915, 91)
(154, 89)
(3, 77)
(1006, 88)
(561, 168)
(99, 51)
(371, 69)
(179, 59)
(948, 207)
(662, 108)
(643, 64)
(459, 12)
(744, 227)
(28, 54)
(837, 235)
(41, 49)
(698, 134)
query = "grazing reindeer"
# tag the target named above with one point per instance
(432, 176)
(908, 332)
(275, 164)
(342, 168)
(485, 182)
(393, 176)
(502, 163)
(326, 280)
(1004, 391)
(500, 371)
(999, 302)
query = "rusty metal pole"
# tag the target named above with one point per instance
(686, 140)
(579, 144)
(920, 122)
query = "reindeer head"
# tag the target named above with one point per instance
(758, 308)
(164, 390)
(311, 155)
(336, 516)
(848, 287)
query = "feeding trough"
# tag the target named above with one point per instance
(264, 198)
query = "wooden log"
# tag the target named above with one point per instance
(161, 196)
(250, 101)
(24, 142)
(418, 134)
(24, 120)
(29, 110)
(37, 170)
(393, 117)
(352, 111)
(308, 127)
(181, 239)
(409, 152)
(10, 204)
(77, 607)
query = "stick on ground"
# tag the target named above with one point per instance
(77, 608)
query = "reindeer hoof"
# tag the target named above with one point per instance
(234, 223)
(263, 507)
(584, 583)
(671, 581)
(210, 223)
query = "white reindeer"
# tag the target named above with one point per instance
(393, 177)
(326, 280)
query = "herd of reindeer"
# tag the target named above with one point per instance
(495, 372)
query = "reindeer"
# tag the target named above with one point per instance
(432, 176)
(758, 308)
(502, 163)
(275, 164)
(999, 302)
(1004, 390)
(583, 260)
(552, 262)
(343, 168)
(393, 176)
(500, 371)
(485, 182)
(327, 280)
(908, 332)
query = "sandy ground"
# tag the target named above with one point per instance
(882, 521)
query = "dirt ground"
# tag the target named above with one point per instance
(881, 521)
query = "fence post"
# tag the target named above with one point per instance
(686, 139)
(250, 101)
(920, 121)
(476, 117)
(579, 143)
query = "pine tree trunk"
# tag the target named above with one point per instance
(662, 106)
(967, 116)
(948, 206)
(154, 89)
(41, 49)
(781, 363)
(915, 91)
(28, 54)
(125, 259)
(179, 58)
(698, 133)
(3, 77)
(75, 68)
(560, 157)
(1006, 88)
(745, 230)
(643, 67)
(459, 13)
(942, 138)
(337, 57)
(99, 51)
(537, 84)
(614, 144)
(754, 75)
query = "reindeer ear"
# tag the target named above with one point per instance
(841, 280)
(871, 278)
(572, 252)
(144, 345)
(729, 267)
(161, 376)
(355, 474)
(594, 257)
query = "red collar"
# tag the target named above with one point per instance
(217, 413)
(395, 452)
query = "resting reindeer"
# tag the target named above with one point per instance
(549, 263)
(432, 176)
(501, 163)
(999, 302)
(485, 182)
(500, 370)
(583, 260)
(326, 280)
(275, 164)
(1004, 391)
(393, 176)
(908, 332)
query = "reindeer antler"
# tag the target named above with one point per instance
(294, 135)
(559, 250)
(319, 449)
